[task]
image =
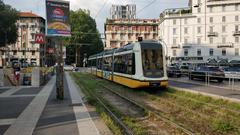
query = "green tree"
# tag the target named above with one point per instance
(85, 37)
(8, 28)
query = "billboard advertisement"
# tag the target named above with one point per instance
(58, 23)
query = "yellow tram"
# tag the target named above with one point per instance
(136, 65)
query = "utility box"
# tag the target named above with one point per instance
(36, 77)
(1, 77)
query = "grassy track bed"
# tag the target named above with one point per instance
(138, 120)
(198, 113)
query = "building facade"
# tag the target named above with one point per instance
(25, 50)
(123, 11)
(206, 29)
(119, 32)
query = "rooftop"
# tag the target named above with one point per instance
(28, 14)
(176, 12)
(132, 21)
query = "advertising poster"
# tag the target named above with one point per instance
(58, 18)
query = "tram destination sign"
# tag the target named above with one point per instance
(58, 23)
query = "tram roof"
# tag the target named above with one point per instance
(124, 48)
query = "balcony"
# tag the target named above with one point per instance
(33, 49)
(212, 34)
(154, 32)
(187, 45)
(225, 45)
(236, 33)
(22, 49)
(221, 2)
(3, 48)
(14, 48)
(175, 46)
(176, 12)
(113, 40)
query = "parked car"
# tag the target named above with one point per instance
(173, 71)
(232, 72)
(184, 70)
(68, 68)
(76, 69)
(205, 72)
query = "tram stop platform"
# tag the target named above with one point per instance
(35, 110)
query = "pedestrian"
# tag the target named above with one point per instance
(17, 70)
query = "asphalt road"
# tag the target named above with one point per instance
(201, 87)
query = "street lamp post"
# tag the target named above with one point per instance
(77, 45)
(7, 49)
(59, 71)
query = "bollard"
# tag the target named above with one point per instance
(206, 79)
(232, 83)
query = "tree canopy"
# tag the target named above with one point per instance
(85, 37)
(8, 28)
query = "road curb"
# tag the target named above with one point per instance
(206, 94)
(195, 83)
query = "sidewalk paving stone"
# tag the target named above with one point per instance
(12, 107)
(3, 128)
(58, 116)
(2, 90)
(30, 91)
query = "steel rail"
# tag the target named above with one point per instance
(119, 122)
(150, 110)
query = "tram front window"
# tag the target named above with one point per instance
(152, 60)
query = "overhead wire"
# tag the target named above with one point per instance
(146, 6)
(101, 9)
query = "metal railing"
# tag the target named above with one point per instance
(230, 81)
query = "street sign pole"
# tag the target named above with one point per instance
(59, 79)
(58, 26)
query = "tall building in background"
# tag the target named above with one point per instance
(123, 11)
(206, 29)
(119, 32)
(25, 50)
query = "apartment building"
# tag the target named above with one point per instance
(123, 11)
(25, 50)
(206, 29)
(119, 32)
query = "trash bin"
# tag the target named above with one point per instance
(27, 79)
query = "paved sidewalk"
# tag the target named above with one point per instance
(57, 117)
(66, 117)
(35, 110)
(27, 120)
(85, 123)
(13, 102)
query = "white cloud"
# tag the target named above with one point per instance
(153, 11)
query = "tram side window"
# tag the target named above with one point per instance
(92, 63)
(89, 63)
(107, 64)
(124, 64)
(99, 63)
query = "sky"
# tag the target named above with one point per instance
(100, 9)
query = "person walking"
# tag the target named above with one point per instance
(17, 70)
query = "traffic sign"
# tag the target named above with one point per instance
(50, 50)
(39, 38)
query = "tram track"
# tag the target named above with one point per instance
(151, 111)
(124, 128)
(167, 115)
(172, 108)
